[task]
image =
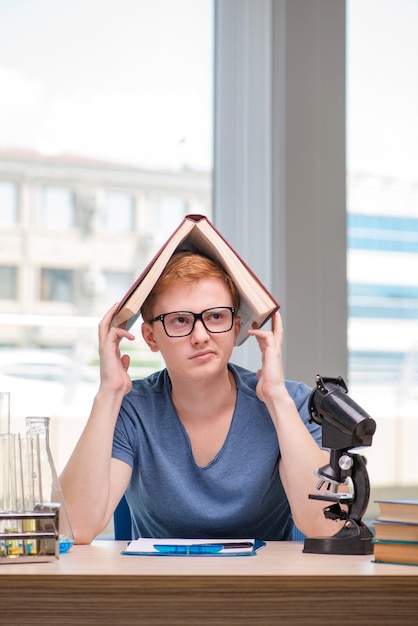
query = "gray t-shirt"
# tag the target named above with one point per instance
(238, 494)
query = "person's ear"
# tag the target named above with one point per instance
(237, 326)
(147, 330)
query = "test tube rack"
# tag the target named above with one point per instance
(29, 537)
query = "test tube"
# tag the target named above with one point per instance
(4, 412)
(10, 489)
(26, 503)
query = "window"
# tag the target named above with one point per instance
(9, 213)
(55, 208)
(8, 282)
(382, 234)
(108, 124)
(57, 285)
(118, 213)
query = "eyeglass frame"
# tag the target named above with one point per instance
(197, 316)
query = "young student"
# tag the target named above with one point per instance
(203, 448)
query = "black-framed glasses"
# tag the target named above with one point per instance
(217, 319)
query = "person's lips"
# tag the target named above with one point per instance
(201, 356)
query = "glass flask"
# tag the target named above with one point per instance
(46, 485)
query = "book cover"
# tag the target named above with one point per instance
(395, 531)
(398, 510)
(197, 233)
(397, 552)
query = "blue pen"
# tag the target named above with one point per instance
(195, 548)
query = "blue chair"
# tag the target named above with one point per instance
(297, 535)
(122, 521)
(123, 529)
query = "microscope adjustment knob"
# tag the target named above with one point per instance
(345, 462)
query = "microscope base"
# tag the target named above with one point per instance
(353, 538)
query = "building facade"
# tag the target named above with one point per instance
(382, 283)
(74, 234)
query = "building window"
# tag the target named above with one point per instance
(170, 212)
(117, 284)
(55, 208)
(9, 212)
(387, 233)
(395, 302)
(117, 214)
(8, 282)
(57, 285)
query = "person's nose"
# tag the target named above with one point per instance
(199, 332)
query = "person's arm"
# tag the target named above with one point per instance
(300, 454)
(92, 481)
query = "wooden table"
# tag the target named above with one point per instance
(280, 585)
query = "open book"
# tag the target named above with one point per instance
(197, 233)
(192, 547)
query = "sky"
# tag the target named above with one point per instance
(382, 87)
(125, 80)
(131, 81)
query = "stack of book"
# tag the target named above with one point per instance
(396, 532)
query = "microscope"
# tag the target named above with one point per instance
(345, 425)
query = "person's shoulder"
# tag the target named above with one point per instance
(298, 391)
(154, 383)
(247, 381)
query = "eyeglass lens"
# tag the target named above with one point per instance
(215, 320)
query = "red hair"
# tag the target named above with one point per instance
(186, 266)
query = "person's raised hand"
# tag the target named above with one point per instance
(113, 365)
(271, 380)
